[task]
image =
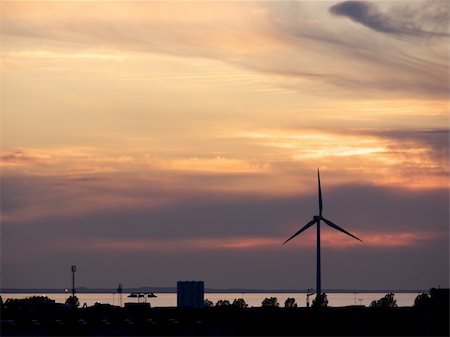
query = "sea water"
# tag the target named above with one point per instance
(252, 299)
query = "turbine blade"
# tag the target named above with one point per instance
(305, 227)
(320, 193)
(329, 223)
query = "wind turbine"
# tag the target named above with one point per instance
(316, 220)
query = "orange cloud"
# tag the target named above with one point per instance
(217, 164)
(21, 158)
(86, 160)
(182, 244)
(382, 239)
(328, 239)
(361, 154)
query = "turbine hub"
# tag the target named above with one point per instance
(316, 217)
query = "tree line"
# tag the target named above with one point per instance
(321, 301)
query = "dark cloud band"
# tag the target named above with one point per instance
(391, 22)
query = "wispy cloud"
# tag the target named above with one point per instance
(211, 165)
(400, 19)
(268, 43)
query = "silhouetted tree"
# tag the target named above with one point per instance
(208, 304)
(222, 303)
(290, 303)
(387, 301)
(270, 302)
(422, 300)
(73, 301)
(28, 304)
(31, 300)
(240, 303)
(320, 301)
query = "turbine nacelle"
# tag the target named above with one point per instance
(318, 218)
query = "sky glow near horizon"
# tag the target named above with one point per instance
(186, 136)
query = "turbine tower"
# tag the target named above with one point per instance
(316, 220)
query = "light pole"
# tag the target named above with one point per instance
(308, 293)
(74, 269)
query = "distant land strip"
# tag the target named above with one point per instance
(85, 290)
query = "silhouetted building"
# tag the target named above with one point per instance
(190, 294)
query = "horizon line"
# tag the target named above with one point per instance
(173, 289)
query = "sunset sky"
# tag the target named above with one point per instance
(149, 142)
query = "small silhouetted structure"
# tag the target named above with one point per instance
(142, 296)
(137, 306)
(438, 299)
(308, 293)
(190, 294)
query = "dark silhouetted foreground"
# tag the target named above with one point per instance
(42, 317)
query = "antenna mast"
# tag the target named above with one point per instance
(119, 291)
